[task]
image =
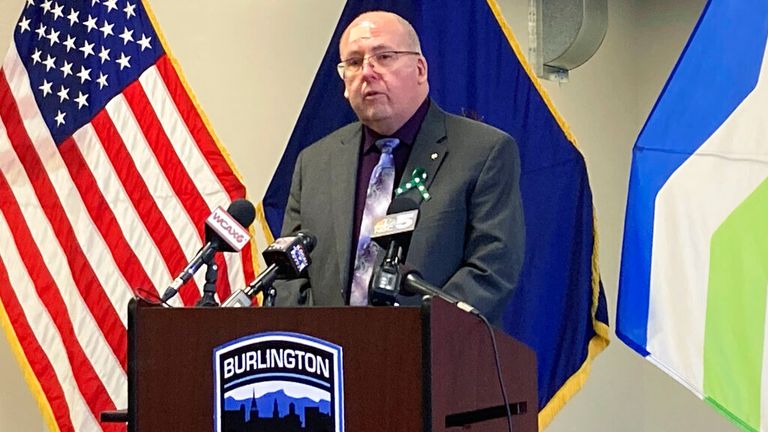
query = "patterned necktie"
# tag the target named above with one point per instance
(376, 202)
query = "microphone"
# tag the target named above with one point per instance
(398, 225)
(393, 232)
(412, 283)
(286, 257)
(224, 231)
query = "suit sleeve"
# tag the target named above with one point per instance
(495, 237)
(296, 291)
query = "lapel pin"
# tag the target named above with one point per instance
(434, 156)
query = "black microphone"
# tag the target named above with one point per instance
(286, 257)
(412, 283)
(386, 279)
(393, 232)
(224, 231)
(398, 225)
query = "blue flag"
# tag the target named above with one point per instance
(475, 69)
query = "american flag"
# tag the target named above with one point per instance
(107, 171)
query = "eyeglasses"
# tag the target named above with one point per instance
(381, 60)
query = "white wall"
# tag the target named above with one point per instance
(251, 63)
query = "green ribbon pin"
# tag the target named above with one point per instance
(418, 180)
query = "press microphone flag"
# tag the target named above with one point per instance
(228, 229)
(224, 231)
(290, 254)
(398, 225)
(286, 257)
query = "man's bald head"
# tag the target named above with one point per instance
(365, 21)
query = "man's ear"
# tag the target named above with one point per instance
(421, 66)
(346, 93)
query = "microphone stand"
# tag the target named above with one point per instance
(269, 295)
(263, 284)
(209, 289)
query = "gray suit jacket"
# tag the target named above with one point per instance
(470, 235)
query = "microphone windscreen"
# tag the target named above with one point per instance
(401, 204)
(243, 212)
(413, 283)
(407, 269)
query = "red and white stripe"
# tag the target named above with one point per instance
(117, 207)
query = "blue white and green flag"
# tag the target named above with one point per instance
(692, 295)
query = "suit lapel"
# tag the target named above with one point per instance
(343, 164)
(429, 149)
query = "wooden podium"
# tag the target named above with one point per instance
(404, 369)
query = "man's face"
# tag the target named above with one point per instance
(383, 98)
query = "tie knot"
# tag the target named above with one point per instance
(386, 145)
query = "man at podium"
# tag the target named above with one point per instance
(470, 235)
